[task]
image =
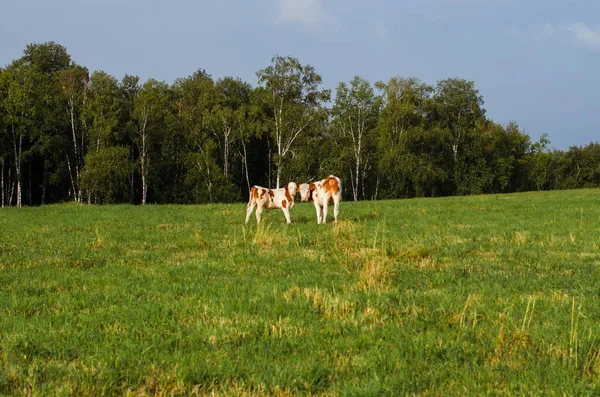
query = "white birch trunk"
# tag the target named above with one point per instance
(132, 176)
(245, 163)
(357, 173)
(279, 136)
(9, 187)
(284, 144)
(226, 157)
(457, 139)
(144, 157)
(144, 170)
(226, 143)
(358, 151)
(71, 176)
(357, 137)
(71, 112)
(207, 178)
(278, 173)
(17, 153)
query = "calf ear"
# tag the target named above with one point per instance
(312, 186)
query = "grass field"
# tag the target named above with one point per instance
(494, 294)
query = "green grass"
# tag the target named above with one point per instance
(494, 294)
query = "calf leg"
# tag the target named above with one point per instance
(286, 212)
(318, 209)
(336, 208)
(325, 211)
(259, 211)
(249, 211)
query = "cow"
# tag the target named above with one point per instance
(321, 194)
(265, 198)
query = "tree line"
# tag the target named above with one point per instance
(70, 135)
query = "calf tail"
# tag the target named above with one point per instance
(332, 183)
(253, 194)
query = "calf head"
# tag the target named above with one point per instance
(292, 188)
(305, 191)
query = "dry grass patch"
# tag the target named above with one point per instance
(160, 383)
(251, 390)
(265, 236)
(468, 314)
(490, 256)
(427, 263)
(314, 254)
(376, 271)
(372, 265)
(98, 243)
(328, 305)
(507, 348)
(520, 238)
(589, 255)
(372, 317)
(344, 233)
(168, 226)
(283, 329)
(497, 239)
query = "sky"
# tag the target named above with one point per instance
(534, 62)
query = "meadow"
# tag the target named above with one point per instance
(479, 295)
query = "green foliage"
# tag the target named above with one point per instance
(411, 153)
(355, 113)
(101, 111)
(293, 105)
(48, 57)
(204, 178)
(104, 177)
(199, 140)
(580, 167)
(150, 112)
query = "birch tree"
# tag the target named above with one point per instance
(195, 102)
(294, 103)
(149, 111)
(355, 115)
(20, 106)
(129, 88)
(4, 138)
(101, 110)
(229, 116)
(74, 82)
(406, 146)
(58, 99)
(459, 109)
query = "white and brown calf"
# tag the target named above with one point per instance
(321, 194)
(264, 198)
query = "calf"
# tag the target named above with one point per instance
(321, 194)
(262, 197)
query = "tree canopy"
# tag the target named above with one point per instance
(70, 135)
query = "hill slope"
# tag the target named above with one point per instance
(430, 296)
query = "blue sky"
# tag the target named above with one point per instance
(534, 62)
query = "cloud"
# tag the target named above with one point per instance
(546, 32)
(584, 35)
(310, 14)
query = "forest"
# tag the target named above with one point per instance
(71, 135)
